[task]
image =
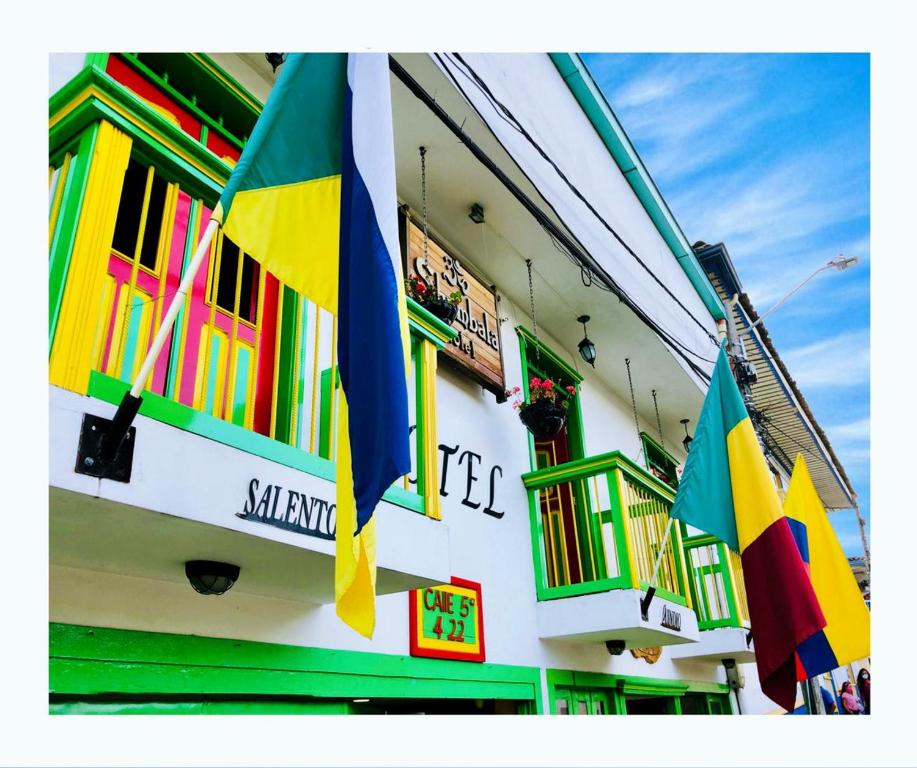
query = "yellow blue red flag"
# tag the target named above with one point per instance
(845, 637)
(726, 490)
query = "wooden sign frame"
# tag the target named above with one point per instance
(478, 348)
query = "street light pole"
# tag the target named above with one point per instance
(840, 263)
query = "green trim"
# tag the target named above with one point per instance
(426, 324)
(97, 660)
(286, 366)
(548, 353)
(618, 686)
(111, 390)
(420, 426)
(68, 218)
(162, 705)
(145, 126)
(98, 60)
(207, 122)
(406, 499)
(593, 465)
(597, 110)
(324, 410)
(253, 102)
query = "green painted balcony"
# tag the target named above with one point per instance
(597, 526)
(718, 595)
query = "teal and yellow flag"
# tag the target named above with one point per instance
(845, 637)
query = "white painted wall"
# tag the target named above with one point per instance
(495, 552)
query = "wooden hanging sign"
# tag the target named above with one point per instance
(477, 347)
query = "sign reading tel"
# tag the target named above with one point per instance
(447, 621)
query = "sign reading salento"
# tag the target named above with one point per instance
(477, 346)
(447, 621)
(289, 509)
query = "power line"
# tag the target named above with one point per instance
(511, 120)
(538, 214)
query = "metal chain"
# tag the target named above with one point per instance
(633, 400)
(658, 421)
(423, 197)
(528, 266)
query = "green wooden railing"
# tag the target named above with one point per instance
(717, 583)
(597, 524)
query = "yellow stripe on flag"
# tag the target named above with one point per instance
(835, 586)
(355, 561)
(293, 231)
(754, 496)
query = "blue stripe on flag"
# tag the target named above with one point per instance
(816, 654)
(801, 537)
(370, 353)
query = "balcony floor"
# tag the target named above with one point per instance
(183, 503)
(718, 644)
(613, 615)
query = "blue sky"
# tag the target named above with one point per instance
(769, 153)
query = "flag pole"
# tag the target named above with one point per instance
(651, 590)
(130, 403)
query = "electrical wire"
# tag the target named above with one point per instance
(539, 215)
(612, 287)
(503, 111)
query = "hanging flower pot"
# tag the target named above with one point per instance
(546, 412)
(443, 307)
(543, 418)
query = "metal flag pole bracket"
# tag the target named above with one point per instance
(647, 599)
(106, 447)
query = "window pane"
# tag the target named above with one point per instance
(562, 707)
(154, 223)
(225, 282)
(127, 225)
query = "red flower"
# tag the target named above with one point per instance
(535, 382)
(547, 384)
(420, 287)
(571, 390)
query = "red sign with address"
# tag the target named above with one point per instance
(447, 621)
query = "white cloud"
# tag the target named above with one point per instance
(838, 361)
(851, 432)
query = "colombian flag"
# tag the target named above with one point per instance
(726, 490)
(312, 198)
(845, 637)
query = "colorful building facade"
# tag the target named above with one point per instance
(510, 568)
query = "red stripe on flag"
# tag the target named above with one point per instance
(783, 609)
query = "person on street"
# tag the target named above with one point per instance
(848, 701)
(829, 702)
(863, 683)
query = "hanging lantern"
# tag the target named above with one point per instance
(687, 441)
(586, 347)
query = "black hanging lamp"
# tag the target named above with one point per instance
(586, 347)
(275, 60)
(687, 441)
